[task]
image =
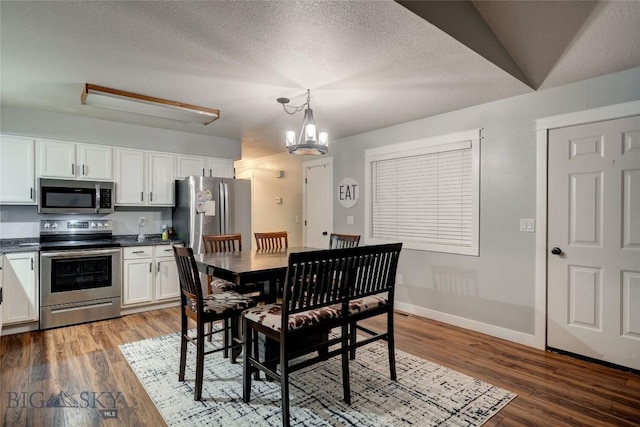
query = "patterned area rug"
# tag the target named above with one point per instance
(425, 394)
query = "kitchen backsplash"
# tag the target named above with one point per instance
(23, 221)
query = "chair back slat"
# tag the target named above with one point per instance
(272, 240)
(320, 278)
(339, 241)
(374, 274)
(190, 285)
(221, 243)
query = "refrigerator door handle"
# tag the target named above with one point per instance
(226, 208)
(221, 208)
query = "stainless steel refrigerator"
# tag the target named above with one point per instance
(212, 206)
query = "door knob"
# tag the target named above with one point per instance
(556, 251)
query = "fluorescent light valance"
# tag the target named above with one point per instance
(119, 100)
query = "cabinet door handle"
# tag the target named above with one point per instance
(142, 196)
(31, 193)
(31, 264)
(158, 266)
(150, 196)
(210, 172)
(73, 170)
(83, 170)
(137, 252)
(203, 172)
(150, 267)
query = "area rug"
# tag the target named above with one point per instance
(425, 394)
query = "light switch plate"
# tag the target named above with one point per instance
(527, 225)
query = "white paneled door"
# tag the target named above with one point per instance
(318, 176)
(594, 241)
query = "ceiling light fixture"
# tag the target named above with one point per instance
(120, 100)
(307, 143)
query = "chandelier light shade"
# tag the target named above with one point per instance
(308, 141)
(119, 100)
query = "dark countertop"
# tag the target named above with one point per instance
(32, 244)
(132, 240)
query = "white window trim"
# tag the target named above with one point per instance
(418, 147)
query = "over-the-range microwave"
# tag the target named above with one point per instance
(60, 196)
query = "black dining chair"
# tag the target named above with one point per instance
(223, 306)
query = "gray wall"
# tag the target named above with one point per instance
(46, 124)
(23, 221)
(496, 288)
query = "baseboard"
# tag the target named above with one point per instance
(19, 328)
(148, 307)
(473, 325)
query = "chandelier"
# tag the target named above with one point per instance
(308, 142)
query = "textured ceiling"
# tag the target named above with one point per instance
(369, 64)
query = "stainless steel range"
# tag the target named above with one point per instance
(80, 266)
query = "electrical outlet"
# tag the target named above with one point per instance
(528, 225)
(142, 221)
(399, 279)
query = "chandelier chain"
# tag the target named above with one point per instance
(299, 108)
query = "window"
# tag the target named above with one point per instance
(425, 193)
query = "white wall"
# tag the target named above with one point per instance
(267, 186)
(497, 295)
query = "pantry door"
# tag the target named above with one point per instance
(593, 259)
(318, 202)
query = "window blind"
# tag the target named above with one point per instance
(426, 197)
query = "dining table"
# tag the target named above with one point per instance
(245, 268)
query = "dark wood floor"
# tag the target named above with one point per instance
(84, 361)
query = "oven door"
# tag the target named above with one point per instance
(79, 275)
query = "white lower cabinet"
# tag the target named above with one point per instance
(167, 282)
(20, 288)
(149, 275)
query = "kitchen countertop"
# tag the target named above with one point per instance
(32, 244)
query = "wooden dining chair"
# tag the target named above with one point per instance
(271, 240)
(221, 243)
(219, 306)
(339, 241)
(218, 243)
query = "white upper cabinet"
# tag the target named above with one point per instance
(68, 160)
(220, 167)
(56, 159)
(203, 166)
(161, 178)
(17, 173)
(95, 162)
(189, 165)
(130, 177)
(144, 178)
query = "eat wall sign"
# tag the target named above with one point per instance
(348, 192)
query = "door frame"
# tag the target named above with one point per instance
(328, 161)
(543, 126)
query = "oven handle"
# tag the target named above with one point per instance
(75, 254)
